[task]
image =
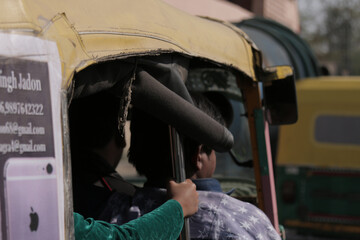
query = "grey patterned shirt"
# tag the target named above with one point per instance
(219, 217)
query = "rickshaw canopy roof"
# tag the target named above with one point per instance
(88, 32)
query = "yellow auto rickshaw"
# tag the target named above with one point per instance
(317, 165)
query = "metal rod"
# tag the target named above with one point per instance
(178, 165)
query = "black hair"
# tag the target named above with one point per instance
(203, 102)
(150, 146)
(150, 143)
(222, 107)
(93, 122)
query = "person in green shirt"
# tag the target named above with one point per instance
(95, 155)
(164, 222)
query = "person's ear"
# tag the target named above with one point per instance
(199, 158)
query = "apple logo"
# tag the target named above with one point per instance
(34, 220)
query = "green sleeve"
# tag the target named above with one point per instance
(164, 222)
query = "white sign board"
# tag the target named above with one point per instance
(31, 187)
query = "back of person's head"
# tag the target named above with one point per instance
(93, 122)
(150, 147)
(194, 149)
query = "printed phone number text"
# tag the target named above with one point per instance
(20, 108)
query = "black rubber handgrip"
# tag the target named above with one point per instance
(156, 99)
